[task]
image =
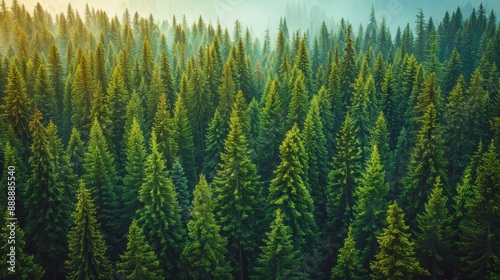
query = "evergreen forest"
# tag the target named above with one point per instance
(152, 148)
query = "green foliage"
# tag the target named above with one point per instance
(216, 134)
(160, 216)
(139, 261)
(395, 244)
(279, 259)
(343, 180)
(348, 264)
(204, 255)
(180, 184)
(183, 137)
(297, 110)
(87, 249)
(163, 126)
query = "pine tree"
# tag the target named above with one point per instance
(139, 261)
(17, 106)
(183, 137)
(370, 207)
(25, 265)
(317, 154)
(204, 256)
(271, 131)
(279, 258)
(81, 99)
(56, 75)
(117, 99)
(348, 67)
(181, 185)
(343, 180)
(44, 94)
(395, 244)
(87, 249)
(479, 230)
(227, 92)
(297, 109)
(379, 136)
(349, 265)
(76, 152)
(434, 234)
(426, 164)
(134, 167)
(164, 129)
(49, 207)
(289, 192)
(214, 144)
(100, 176)
(160, 216)
(303, 63)
(238, 198)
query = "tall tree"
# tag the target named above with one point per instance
(395, 244)
(183, 137)
(87, 249)
(205, 253)
(238, 200)
(81, 100)
(76, 152)
(343, 180)
(214, 144)
(49, 207)
(139, 261)
(163, 126)
(349, 265)
(297, 109)
(181, 185)
(279, 258)
(160, 216)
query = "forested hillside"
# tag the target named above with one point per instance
(146, 148)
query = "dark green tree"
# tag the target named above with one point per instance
(181, 185)
(343, 180)
(204, 256)
(44, 96)
(349, 265)
(87, 249)
(76, 152)
(139, 261)
(214, 144)
(279, 258)
(183, 136)
(81, 98)
(298, 107)
(163, 126)
(395, 244)
(160, 216)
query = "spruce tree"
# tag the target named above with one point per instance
(76, 152)
(44, 96)
(87, 249)
(349, 265)
(479, 229)
(370, 207)
(427, 162)
(271, 131)
(17, 106)
(379, 136)
(297, 109)
(56, 76)
(25, 265)
(343, 180)
(183, 136)
(49, 208)
(134, 176)
(289, 192)
(279, 257)
(139, 261)
(81, 99)
(204, 256)
(395, 244)
(181, 185)
(159, 216)
(434, 233)
(238, 197)
(100, 176)
(214, 144)
(164, 129)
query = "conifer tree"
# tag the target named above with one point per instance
(214, 145)
(359, 112)
(427, 162)
(348, 67)
(183, 137)
(479, 230)
(25, 265)
(349, 265)
(76, 152)
(87, 249)
(159, 216)
(271, 131)
(253, 113)
(47, 223)
(17, 106)
(81, 99)
(297, 109)
(379, 136)
(134, 176)
(289, 192)
(164, 129)
(44, 96)
(139, 261)
(56, 76)
(117, 99)
(204, 255)
(303, 63)
(100, 176)
(238, 197)
(343, 180)
(181, 185)
(433, 237)
(395, 244)
(315, 148)
(227, 91)
(370, 207)
(279, 258)
(452, 73)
